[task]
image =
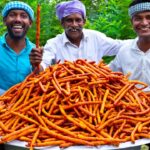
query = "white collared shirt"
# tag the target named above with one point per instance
(131, 59)
(93, 46)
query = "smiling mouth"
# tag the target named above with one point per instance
(74, 30)
(145, 29)
(17, 28)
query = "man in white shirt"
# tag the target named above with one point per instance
(134, 57)
(75, 42)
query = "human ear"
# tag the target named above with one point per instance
(62, 23)
(84, 21)
(30, 24)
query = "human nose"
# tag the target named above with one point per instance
(18, 18)
(74, 23)
(145, 21)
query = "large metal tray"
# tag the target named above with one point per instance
(19, 145)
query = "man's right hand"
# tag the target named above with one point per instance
(36, 57)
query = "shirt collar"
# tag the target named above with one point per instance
(3, 39)
(4, 43)
(134, 45)
(66, 40)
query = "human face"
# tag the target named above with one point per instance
(141, 24)
(73, 25)
(18, 23)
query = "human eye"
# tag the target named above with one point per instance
(11, 14)
(148, 17)
(137, 18)
(79, 20)
(68, 20)
(24, 16)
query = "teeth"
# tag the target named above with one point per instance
(74, 30)
(17, 26)
(145, 28)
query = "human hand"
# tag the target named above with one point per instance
(36, 57)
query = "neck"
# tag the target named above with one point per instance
(144, 44)
(16, 44)
(75, 41)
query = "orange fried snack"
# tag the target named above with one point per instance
(75, 103)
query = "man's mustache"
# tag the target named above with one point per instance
(74, 28)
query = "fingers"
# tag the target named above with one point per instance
(36, 56)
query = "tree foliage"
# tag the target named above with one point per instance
(107, 16)
(112, 19)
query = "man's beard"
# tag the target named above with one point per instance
(16, 37)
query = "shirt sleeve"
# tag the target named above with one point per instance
(109, 46)
(115, 65)
(49, 54)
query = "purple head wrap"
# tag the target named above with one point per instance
(64, 9)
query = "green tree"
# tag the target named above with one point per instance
(112, 18)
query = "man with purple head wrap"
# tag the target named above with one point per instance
(75, 42)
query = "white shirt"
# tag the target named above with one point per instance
(131, 59)
(93, 46)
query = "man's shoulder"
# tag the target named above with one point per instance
(2, 38)
(93, 34)
(2, 42)
(29, 44)
(58, 37)
(127, 47)
(128, 44)
(90, 31)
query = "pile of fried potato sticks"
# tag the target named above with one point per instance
(75, 103)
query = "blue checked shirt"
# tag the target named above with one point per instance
(13, 67)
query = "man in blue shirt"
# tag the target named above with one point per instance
(15, 47)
